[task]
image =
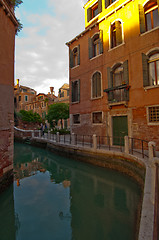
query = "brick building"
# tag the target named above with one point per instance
(8, 26)
(22, 95)
(114, 70)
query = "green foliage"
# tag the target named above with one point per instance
(29, 116)
(58, 111)
(61, 131)
(16, 3)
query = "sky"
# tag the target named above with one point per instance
(41, 56)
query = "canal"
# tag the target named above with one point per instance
(56, 198)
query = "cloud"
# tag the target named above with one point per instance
(41, 53)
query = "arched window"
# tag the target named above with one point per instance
(154, 69)
(96, 85)
(116, 34)
(151, 15)
(96, 45)
(75, 57)
(150, 69)
(118, 81)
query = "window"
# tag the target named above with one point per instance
(118, 83)
(61, 94)
(76, 119)
(148, 16)
(116, 34)
(75, 57)
(76, 91)
(95, 44)
(26, 98)
(94, 10)
(19, 98)
(96, 85)
(97, 117)
(150, 69)
(108, 2)
(153, 113)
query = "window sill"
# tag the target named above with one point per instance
(75, 67)
(111, 104)
(111, 49)
(152, 30)
(96, 56)
(97, 123)
(96, 98)
(112, 4)
(151, 87)
(94, 18)
(74, 102)
(153, 124)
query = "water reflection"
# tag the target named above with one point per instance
(58, 198)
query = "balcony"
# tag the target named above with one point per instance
(118, 95)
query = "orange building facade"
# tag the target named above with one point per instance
(114, 70)
(8, 26)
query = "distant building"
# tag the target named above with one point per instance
(63, 94)
(8, 26)
(22, 96)
(114, 71)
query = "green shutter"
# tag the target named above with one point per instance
(126, 72)
(145, 70)
(142, 18)
(107, 3)
(158, 5)
(118, 32)
(79, 90)
(71, 58)
(101, 41)
(110, 83)
(72, 91)
(90, 46)
(98, 82)
(89, 14)
(99, 6)
(78, 52)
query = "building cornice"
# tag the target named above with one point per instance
(9, 12)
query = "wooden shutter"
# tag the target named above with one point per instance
(107, 3)
(110, 83)
(158, 5)
(72, 91)
(79, 90)
(99, 6)
(126, 72)
(101, 41)
(118, 32)
(98, 84)
(71, 58)
(142, 18)
(145, 70)
(78, 54)
(90, 46)
(94, 81)
(89, 14)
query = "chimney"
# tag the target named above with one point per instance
(17, 84)
(52, 91)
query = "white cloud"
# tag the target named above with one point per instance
(41, 53)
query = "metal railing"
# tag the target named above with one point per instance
(138, 146)
(84, 140)
(110, 143)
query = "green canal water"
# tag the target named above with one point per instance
(56, 198)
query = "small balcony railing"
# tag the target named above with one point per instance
(118, 94)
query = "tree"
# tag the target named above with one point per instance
(29, 116)
(58, 111)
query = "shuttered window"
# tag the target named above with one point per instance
(75, 57)
(76, 91)
(95, 45)
(150, 69)
(94, 10)
(149, 16)
(96, 85)
(108, 2)
(116, 34)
